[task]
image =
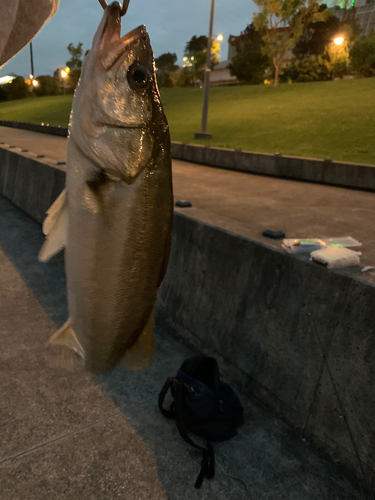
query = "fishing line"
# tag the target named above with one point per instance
(124, 7)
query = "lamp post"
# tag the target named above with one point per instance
(206, 86)
(337, 41)
(64, 73)
(32, 61)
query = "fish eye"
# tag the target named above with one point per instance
(138, 76)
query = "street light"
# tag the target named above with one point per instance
(337, 41)
(64, 74)
(203, 134)
(35, 82)
(220, 38)
(31, 61)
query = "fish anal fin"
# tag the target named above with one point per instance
(140, 356)
(66, 337)
(55, 228)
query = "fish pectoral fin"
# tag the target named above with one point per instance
(55, 227)
(54, 211)
(66, 336)
(140, 356)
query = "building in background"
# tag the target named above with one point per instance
(6, 79)
(187, 61)
(220, 75)
(364, 12)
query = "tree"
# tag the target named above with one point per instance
(72, 79)
(181, 78)
(196, 54)
(308, 69)
(362, 55)
(280, 24)
(196, 44)
(17, 89)
(46, 86)
(165, 65)
(3, 93)
(76, 53)
(250, 62)
(316, 37)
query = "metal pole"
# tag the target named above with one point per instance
(32, 59)
(206, 86)
(334, 64)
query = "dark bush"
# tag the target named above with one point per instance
(362, 55)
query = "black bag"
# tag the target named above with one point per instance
(204, 406)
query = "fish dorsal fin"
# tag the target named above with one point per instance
(55, 228)
(140, 356)
(66, 336)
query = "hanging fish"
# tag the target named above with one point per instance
(20, 21)
(115, 215)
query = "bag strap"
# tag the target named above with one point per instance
(208, 458)
(167, 413)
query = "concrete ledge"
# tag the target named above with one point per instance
(295, 335)
(350, 175)
(36, 127)
(300, 338)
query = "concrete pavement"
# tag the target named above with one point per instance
(67, 435)
(246, 204)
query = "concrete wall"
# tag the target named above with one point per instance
(297, 336)
(220, 75)
(30, 184)
(300, 338)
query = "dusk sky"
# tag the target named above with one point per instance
(170, 23)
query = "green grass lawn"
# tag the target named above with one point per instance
(322, 120)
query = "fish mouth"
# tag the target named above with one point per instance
(112, 46)
(122, 126)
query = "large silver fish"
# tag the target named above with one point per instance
(118, 203)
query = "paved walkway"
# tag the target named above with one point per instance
(247, 204)
(67, 435)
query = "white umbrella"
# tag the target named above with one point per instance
(20, 21)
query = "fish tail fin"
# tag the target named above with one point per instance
(67, 337)
(55, 228)
(140, 356)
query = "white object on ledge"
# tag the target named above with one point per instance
(297, 246)
(302, 245)
(336, 257)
